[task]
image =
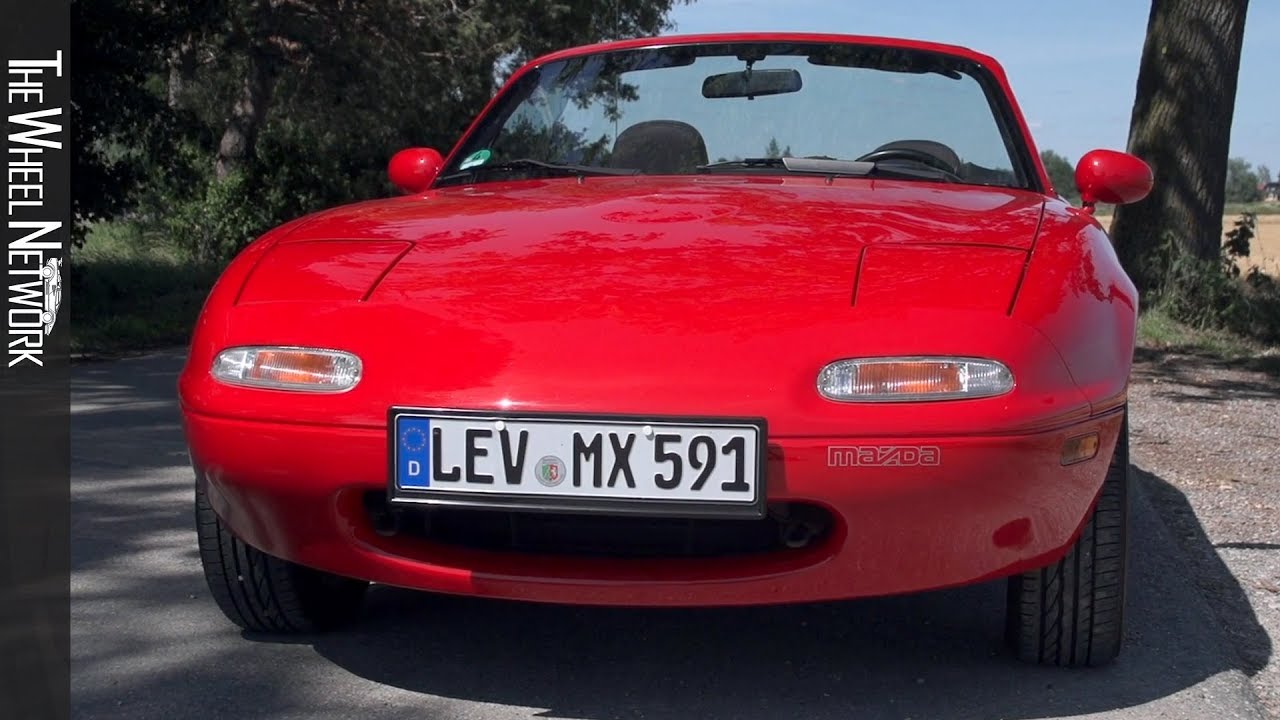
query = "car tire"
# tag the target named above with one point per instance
(1071, 613)
(263, 593)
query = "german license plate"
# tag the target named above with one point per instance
(586, 463)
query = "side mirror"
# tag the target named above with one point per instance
(414, 170)
(1112, 177)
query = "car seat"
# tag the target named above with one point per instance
(659, 147)
(929, 147)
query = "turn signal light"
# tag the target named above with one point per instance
(913, 379)
(1079, 449)
(288, 368)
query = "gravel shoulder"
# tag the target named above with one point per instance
(1206, 444)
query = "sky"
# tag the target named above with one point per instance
(1073, 66)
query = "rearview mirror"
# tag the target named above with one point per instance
(1112, 177)
(750, 83)
(413, 170)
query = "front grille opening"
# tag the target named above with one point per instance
(786, 527)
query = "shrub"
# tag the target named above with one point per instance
(1214, 294)
(217, 223)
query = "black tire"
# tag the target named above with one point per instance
(1071, 613)
(262, 593)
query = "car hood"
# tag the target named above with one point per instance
(551, 246)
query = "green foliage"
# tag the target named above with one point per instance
(1158, 330)
(348, 84)
(134, 290)
(1242, 182)
(219, 222)
(1239, 239)
(1215, 295)
(118, 120)
(1062, 174)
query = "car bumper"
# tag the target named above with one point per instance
(992, 506)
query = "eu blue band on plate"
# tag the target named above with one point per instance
(413, 452)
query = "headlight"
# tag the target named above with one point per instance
(913, 379)
(288, 368)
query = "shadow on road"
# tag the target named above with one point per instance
(1193, 377)
(906, 656)
(148, 641)
(1227, 600)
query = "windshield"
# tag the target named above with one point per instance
(737, 107)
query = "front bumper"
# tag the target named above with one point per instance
(991, 506)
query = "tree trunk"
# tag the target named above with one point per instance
(260, 36)
(247, 115)
(1181, 126)
(182, 69)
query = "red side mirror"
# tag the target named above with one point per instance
(414, 170)
(1112, 177)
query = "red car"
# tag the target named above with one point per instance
(688, 321)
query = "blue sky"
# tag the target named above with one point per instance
(1073, 66)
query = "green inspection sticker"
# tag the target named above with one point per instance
(478, 157)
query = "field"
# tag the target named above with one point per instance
(1265, 248)
(1265, 252)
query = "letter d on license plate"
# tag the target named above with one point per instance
(578, 463)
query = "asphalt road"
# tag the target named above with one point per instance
(148, 642)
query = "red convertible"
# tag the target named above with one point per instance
(688, 321)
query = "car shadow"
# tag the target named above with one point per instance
(1202, 564)
(893, 657)
(148, 642)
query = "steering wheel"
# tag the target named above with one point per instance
(905, 153)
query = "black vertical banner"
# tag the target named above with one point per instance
(34, 372)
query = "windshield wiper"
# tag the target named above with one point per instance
(525, 164)
(832, 167)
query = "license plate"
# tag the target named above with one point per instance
(584, 463)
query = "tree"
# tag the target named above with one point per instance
(1242, 182)
(1181, 125)
(774, 150)
(446, 52)
(1062, 174)
(117, 123)
(1264, 175)
(216, 120)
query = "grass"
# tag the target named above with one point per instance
(133, 291)
(1159, 332)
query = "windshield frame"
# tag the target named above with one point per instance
(1027, 173)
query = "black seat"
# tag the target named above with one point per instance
(928, 147)
(659, 147)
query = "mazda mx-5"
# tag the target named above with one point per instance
(689, 321)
